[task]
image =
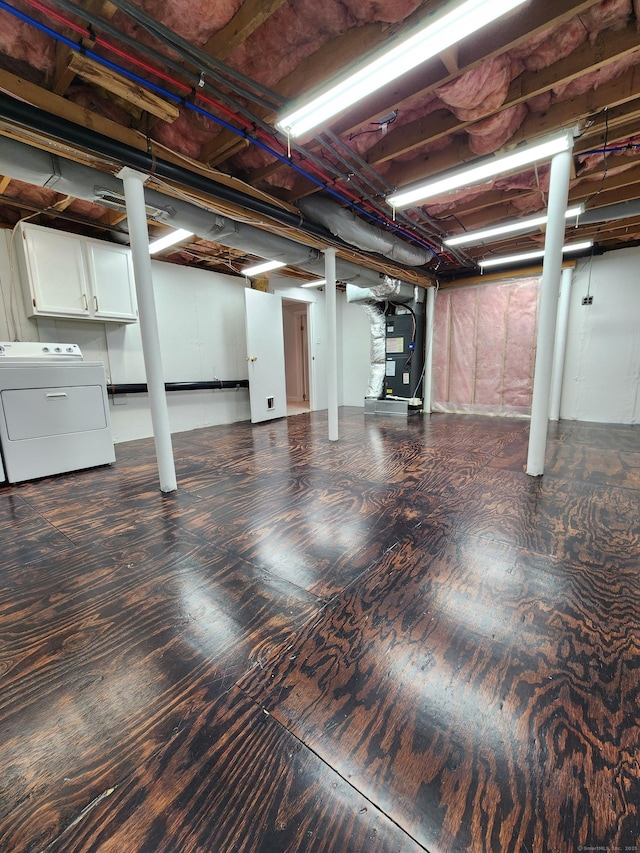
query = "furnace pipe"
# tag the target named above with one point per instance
(206, 385)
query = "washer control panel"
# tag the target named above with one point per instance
(38, 351)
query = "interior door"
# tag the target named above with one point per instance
(265, 356)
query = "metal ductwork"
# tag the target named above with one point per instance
(22, 162)
(611, 212)
(344, 224)
(34, 166)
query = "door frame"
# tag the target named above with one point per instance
(309, 310)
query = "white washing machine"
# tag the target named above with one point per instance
(54, 411)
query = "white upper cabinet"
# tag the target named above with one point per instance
(66, 275)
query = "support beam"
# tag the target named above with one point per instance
(561, 344)
(134, 195)
(548, 310)
(332, 342)
(428, 350)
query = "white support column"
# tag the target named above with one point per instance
(561, 343)
(428, 352)
(137, 218)
(548, 310)
(332, 342)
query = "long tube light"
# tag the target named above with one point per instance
(169, 240)
(469, 238)
(528, 256)
(258, 269)
(488, 168)
(454, 24)
(320, 283)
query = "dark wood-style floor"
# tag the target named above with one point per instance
(396, 642)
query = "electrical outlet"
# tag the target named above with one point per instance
(587, 300)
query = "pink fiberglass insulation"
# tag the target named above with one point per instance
(491, 133)
(595, 79)
(99, 102)
(23, 42)
(484, 347)
(608, 13)
(462, 345)
(295, 31)
(440, 372)
(557, 43)
(187, 134)
(493, 306)
(519, 355)
(39, 196)
(195, 20)
(478, 92)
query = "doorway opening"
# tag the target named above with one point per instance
(295, 320)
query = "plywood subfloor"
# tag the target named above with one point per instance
(395, 642)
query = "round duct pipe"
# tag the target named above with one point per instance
(73, 179)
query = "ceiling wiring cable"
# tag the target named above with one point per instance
(197, 56)
(162, 59)
(375, 216)
(253, 123)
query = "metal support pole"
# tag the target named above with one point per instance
(548, 310)
(332, 342)
(137, 218)
(428, 352)
(561, 344)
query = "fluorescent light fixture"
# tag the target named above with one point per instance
(319, 283)
(169, 240)
(488, 168)
(529, 256)
(469, 238)
(453, 25)
(267, 266)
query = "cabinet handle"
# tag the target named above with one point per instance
(95, 302)
(56, 394)
(86, 304)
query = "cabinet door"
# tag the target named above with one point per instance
(112, 283)
(56, 276)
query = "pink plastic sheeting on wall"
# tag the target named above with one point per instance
(440, 367)
(484, 348)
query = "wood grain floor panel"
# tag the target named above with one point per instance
(98, 675)
(601, 466)
(440, 639)
(597, 525)
(483, 697)
(232, 779)
(25, 534)
(320, 537)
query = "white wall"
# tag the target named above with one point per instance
(602, 364)
(202, 335)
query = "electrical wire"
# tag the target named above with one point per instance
(375, 216)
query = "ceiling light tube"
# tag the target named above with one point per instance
(258, 269)
(169, 240)
(488, 168)
(486, 234)
(451, 26)
(529, 256)
(319, 283)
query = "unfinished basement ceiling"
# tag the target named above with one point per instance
(212, 78)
